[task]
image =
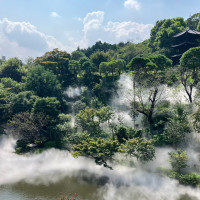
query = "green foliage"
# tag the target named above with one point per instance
(121, 134)
(43, 82)
(178, 160)
(196, 119)
(48, 106)
(83, 60)
(140, 148)
(191, 179)
(23, 102)
(21, 146)
(95, 103)
(77, 55)
(131, 50)
(5, 104)
(162, 32)
(90, 119)
(172, 126)
(50, 144)
(191, 59)
(64, 127)
(11, 85)
(57, 62)
(99, 46)
(161, 61)
(99, 57)
(104, 68)
(86, 120)
(10, 69)
(29, 129)
(150, 69)
(78, 106)
(88, 67)
(97, 148)
(112, 67)
(189, 70)
(74, 67)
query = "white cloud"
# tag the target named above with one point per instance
(55, 14)
(111, 32)
(123, 31)
(132, 4)
(93, 20)
(22, 39)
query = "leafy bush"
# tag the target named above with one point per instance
(21, 146)
(192, 179)
(178, 160)
(50, 144)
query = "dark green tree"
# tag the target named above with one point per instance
(23, 102)
(57, 62)
(99, 57)
(43, 82)
(164, 30)
(97, 148)
(11, 69)
(189, 70)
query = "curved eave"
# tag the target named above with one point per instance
(188, 31)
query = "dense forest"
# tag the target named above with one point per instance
(37, 108)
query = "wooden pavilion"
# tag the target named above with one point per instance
(184, 41)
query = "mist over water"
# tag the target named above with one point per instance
(43, 176)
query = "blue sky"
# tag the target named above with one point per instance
(32, 27)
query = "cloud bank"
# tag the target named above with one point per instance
(95, 29)
(22, 39)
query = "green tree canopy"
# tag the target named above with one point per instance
(43, 82)
(189, 70)
(23, 102)
(77, 55)
(48, 106)
(11, 69)
(162, 32)
(99, 57)
(140, 148)
(97, 148)
(58, 62)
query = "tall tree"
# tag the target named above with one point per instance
(99, 57)
(148, 73)
(189, 70)
(58, 62)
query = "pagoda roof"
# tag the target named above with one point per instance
(184, 44)
(193, 32)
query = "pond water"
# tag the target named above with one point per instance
(44, 176)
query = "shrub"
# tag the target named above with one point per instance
(192, 179)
